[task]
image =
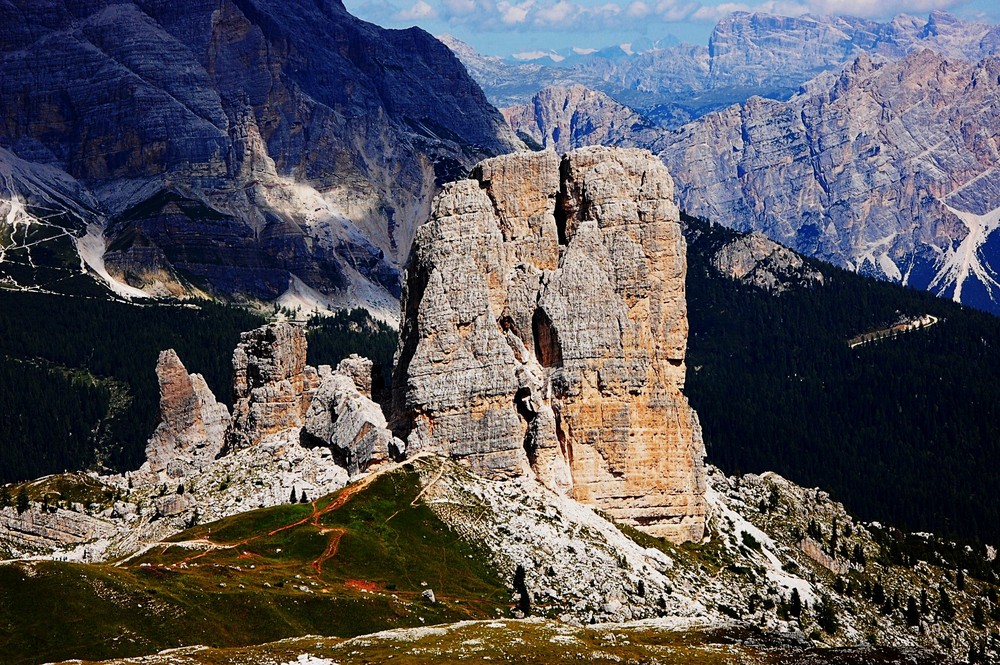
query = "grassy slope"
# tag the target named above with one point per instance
(271, 574)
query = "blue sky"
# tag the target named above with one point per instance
(505, 27)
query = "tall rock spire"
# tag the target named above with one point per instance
(543, 331)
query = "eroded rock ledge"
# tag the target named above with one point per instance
(543, 331)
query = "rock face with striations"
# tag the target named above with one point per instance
(249, 148)
(343, 416)
(192, 422)
(887, 169)
(563, 118)
(272, 385)
(544, 328)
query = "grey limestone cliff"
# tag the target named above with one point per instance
(244, 147)
(887, 169)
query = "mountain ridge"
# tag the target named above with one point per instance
(240, 125)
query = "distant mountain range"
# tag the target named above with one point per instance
(249, 149)
(887, 166)
(747, 54)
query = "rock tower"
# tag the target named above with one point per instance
(543, 331)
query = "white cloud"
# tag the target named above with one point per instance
(514, 14)
(419, 11)
(561, 13)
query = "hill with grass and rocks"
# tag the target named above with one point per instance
(485, 498)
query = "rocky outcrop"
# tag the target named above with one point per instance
(235, 147)
(544, 328)
(343, 416)
(272, 385)
(887, 169)
(192, 423)
(563, 118)
(754, 259)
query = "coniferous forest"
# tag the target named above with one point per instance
(902, 430)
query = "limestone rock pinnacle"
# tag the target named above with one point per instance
(192, 423)
(543, 330)
(272, 385)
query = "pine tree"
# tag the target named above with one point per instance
(978, 615)
(293, 498)
(5, 498)
(826, 616)
(912, 615)
(945, 608)
(303, 498)
(924, 605)
(521, 588)
(960, 580)
(795, 606)
(22, 501)
(833, 539)
(859, 555)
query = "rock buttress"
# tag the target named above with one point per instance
(543, 331)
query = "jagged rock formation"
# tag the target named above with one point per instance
(563, 118)
(343, 416)
(292, 427)
(192, 423)
(888, 169)
(755, 259)
(544, 327)
(272, 385)
(747, 53)
(250, 148)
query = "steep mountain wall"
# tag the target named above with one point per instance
(241, 147)
(888, 169)
(544, 328)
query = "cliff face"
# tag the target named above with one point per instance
(888, 169)
(747, 54)
(564, 118)
(544, 328)
(241, 146)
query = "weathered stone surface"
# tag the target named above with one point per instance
(563, 118)
(272, 385)
(544, 327)
(755, 259)
(342, 416)
(888, 169)
(41, 531)
(192, 423)
(359, 370)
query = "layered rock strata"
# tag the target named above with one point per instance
(888, 169)
(192, 422)
(543, 331)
